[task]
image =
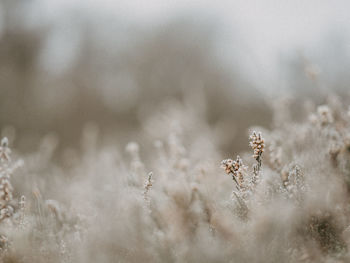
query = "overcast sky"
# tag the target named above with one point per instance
(262, 29)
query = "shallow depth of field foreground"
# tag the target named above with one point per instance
(285, 200)
(174, 132)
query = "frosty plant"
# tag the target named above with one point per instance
(234, 168)
(258, 146)
(6, 189)
(147, 187)
(6, 198)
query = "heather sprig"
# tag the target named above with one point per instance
(235, 169)
(257, 143)
(147, 187)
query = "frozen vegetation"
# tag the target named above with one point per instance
(284, 200)
(168, 141)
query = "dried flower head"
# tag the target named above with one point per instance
(227, 165)
(257, 144)
(235, 168)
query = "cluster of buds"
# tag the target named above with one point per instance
(235, 168)
(257, 144)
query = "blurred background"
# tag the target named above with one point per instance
(121, 64)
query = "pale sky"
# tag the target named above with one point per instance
(262, 29)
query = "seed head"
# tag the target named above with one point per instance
(257, 144)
